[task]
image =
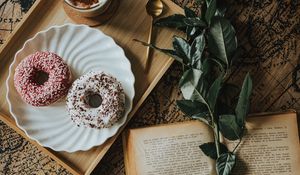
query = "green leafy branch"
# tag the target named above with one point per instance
(207, 54)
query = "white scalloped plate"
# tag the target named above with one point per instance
(84, 49)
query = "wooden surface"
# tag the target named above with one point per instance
(92, 21)
(11, 13)
(123, 31)
(14, 19)
(19, 156)
(268, 33)
(9, 122)
(269, 37)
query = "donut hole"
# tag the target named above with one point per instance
(40, 77)
(93, 100)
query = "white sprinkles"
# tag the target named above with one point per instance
(111, 108)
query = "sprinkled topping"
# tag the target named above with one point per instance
(96, 100)
(42, 78)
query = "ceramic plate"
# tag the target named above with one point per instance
(84, 49)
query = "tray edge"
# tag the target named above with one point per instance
(4, 49)
(11, 123)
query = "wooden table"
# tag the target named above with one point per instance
(269, 37)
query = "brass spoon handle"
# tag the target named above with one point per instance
(148, 48)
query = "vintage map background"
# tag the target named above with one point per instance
(269, 36)
(11, 12)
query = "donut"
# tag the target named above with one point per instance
(42, 78)
(96, 100)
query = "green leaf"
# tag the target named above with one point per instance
(219, 64)
(171, 53)
(229, 127)
(203, 86)
(213, 92)
(189, 13)
(228, 99)
(195, 110)
(194, 22)
(168, 52)
(221, 39)
(221, 8)
(225, 163)
(209, 149)
(197, 48)
(173, 21)
(211, 10)
(182, 48)
(192, 108)
(206, 66)
(188, 84)
(242, 106)
(221, 12)
(190, 31)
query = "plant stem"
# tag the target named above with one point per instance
(240, 140)
(237, 145)
(217, 139)
(216, 131)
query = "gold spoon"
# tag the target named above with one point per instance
(154, 8)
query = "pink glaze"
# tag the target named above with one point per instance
(54, 88)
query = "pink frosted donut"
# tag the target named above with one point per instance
(42, 78)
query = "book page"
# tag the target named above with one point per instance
(169, 149)
(270, 147)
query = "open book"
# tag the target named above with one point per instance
(270, 147)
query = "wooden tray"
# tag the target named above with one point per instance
(130, 21)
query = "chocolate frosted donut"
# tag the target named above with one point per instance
(96, 100)
(42, 78)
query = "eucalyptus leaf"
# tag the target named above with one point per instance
(220, 12)
(189, 13)
(195, 110)
(214, 92)
(225, 163)
(173, 21)
(242, 106)
(219, 64)
(209, 149)
(168, 52)
(206, 67)
(229, 127)
(197, 64)
(191, 31)
(228, 99)
(221, 8)
(230, 91)
(191, 108)
(211, 10)
(196, 21)
(221, 39)
(203, 85)
(188, 84)
(182, 48)
(223, 108)
(197, 49)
